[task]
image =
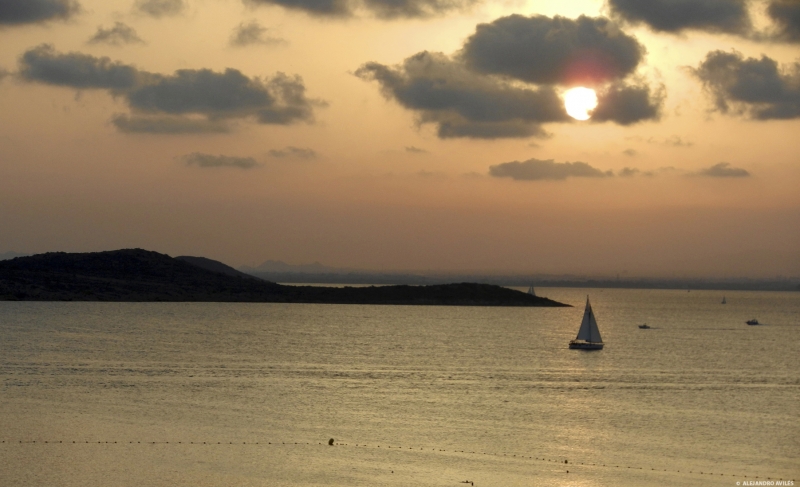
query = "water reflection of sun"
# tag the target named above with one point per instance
(579, 102)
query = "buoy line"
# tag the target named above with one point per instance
(332, 442)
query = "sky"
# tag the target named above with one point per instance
(407, 135)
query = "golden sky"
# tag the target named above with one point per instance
(406, 134)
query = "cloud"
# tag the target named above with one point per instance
(168, 125)
(208, 160)
(329, 8)
(628, 104)
(501, 84)
(629, 172)
(116, 36)
(291, 152)
(415, 150)
(756, 87)
(253, 33)
(630, 153)
(391, 9)
(536, 169)
(722, 170)
(676, 141)
(82, 71)
(786, 15)
(18, 12)
(730, 16)
(160, 8)
(3, 73)
(672, 141)
(214, 96)
(556, 50)
(463, 103)
(385, 9)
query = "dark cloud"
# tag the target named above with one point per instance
(629, 172)
(17, 12)
(291, 152)
(3, 73)
(168, 125)
(329, 8)
(556, 50)
(44, 65)
(729, 16)
(630, 153)
(203, 93)
(757, 87)
(386, 9)
(118, 35)
(536, 169)
(390, 9)
(786, 15)
(252, 33)
(628, 104)
(676, 141)
(463, 103)
(723, 170)
(221, 95)
(160, 8)
(477, 92)
(415, 150)
(209, 160)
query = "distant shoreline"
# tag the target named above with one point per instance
(366, 279)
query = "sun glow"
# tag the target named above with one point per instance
(579, 102)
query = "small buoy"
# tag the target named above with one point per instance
(330, 442)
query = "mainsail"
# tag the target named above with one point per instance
(589, 331)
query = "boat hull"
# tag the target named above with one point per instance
(584, 345)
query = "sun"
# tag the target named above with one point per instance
(579, 102)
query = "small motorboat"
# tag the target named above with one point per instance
(644, 326)
(752, 322)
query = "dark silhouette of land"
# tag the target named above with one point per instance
(144, 276)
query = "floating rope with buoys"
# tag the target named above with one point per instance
(333, 442)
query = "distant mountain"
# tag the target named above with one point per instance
(277, 266)
(214, 266)
(12, 255)
(123, 275)
(141, 275)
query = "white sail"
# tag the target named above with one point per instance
(589, 331)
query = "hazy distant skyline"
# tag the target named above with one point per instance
(412, 135)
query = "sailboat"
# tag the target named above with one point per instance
(588, 335)
(723, 300)
(531, 291)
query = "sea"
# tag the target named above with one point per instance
(307, 395)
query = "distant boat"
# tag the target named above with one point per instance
(588, 335)
(723, 300)
(531, 291)
(752, 322)
(644, 326)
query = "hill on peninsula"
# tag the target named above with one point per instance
(138, 275)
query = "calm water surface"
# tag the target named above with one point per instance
(419, 396)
